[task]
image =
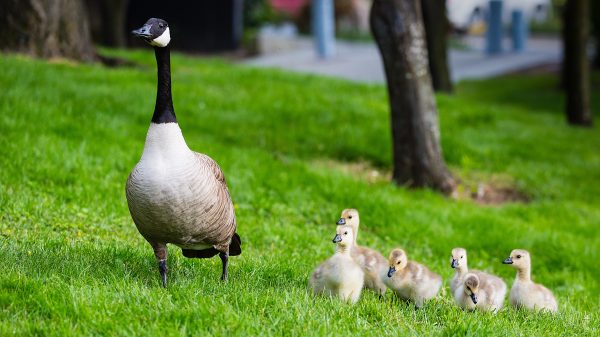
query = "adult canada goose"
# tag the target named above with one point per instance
(525, 293)
(176, 195)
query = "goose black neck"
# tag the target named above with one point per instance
(163, 109)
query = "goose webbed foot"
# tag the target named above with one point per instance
(225, 260)
(162, 268)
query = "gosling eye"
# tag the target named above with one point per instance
(398, 262)
(518, 256)
(345, 233)
(461, 257)
(349, 216)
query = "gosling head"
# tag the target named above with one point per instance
(155, 32)
(344, 236)
(349, 217)
(458, 259)
(472, 286)
(397, 261)
(519, 258)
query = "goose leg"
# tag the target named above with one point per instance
(160, 252)
(225, 260)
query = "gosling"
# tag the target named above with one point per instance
(339, 275)
(372, 262)
(410, 280)
(458, 261)
(524, 292)
(481, 293)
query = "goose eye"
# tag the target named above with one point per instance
(518, 256)
(161, 25)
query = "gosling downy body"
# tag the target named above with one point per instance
(480, 292)
(524, 292)
(176, 195)
(458, 261)
(339, 275)
(372, 262)
(410, 280)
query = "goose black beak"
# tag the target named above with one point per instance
(508, 260)
(143, 32)
(341, 221)
(454, 263)
(474, 298)
(391, 271)
(337, 238)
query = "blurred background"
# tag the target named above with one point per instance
(466, 39)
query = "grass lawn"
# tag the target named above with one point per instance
(73, 262)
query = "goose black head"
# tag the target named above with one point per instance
(155, 32)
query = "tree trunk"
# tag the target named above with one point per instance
(108, 24)
(398, 30)
(436, 30)
(595, 20)
(47, 28)
(576, 68)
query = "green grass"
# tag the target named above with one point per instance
(74, 264)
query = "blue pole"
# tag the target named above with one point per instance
(323, 22)
(494, 28)
(519, 31)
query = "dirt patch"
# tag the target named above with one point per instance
(480, 188)
(491, 193)
(362, 170)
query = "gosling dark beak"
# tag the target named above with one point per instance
(391, 271)
(143, 32)
(474, 298)
(341, 221)
(337, 238)
(508, 260)
(454, 263)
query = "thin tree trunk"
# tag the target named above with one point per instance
(398, 30)
(576, 68)
(436, 30)
(47, 28)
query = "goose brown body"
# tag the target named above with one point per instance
(179, 196)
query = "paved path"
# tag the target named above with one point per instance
(361, 61)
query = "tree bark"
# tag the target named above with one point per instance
(576, 68)
(398, 30)
(595, 20)
(436, 30)
(47, 29)
(108, 22)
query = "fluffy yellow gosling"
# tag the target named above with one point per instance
(481, 293)
(339, 275)
(372, 262)
(410, 280)
(524, 292)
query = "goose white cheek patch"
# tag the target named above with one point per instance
(163, 40)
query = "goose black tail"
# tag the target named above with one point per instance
(235, 247)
